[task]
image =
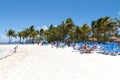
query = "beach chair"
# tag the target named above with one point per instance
(76, 48)
(87, 49)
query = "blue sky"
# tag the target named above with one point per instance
(19, 14)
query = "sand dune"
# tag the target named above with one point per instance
(32, 62)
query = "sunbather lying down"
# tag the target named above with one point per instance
(15, 49)
(87, 49)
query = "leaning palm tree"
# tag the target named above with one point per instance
(102, 27)
(11, 33)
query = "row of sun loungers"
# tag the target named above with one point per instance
(106, 49)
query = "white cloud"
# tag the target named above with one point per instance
(55, 25)
(42, 27)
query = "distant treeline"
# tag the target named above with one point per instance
(101, 30)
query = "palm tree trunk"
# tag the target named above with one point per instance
(104, 36)
(20, 40)
(9, 39)
(98, 35)
(93, 35)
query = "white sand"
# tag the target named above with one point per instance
(32, 62)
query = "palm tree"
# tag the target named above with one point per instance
(85, 32)
(33, 35)
(63, 30)
(26, 33)
(41, 33)
(20, 35)
(105, 25)
(46, 35)
(99, 28)
(70, 23)
(118, 22)
(108, 25)
(102, 27)
(11, 33)
(69, 26)
(93, 29)
(77, 33)
(31, 28)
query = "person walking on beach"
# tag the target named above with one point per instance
(15, 49)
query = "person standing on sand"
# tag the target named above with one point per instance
(52, 44)
(119, 44)
(38, 43)
(57, 45)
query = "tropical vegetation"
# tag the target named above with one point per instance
(101, 29)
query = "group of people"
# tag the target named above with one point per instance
(57, 44)
(87, 49)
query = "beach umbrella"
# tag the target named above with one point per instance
(113, 38)
(118, 39)
(91, 39)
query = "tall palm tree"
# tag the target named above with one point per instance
(93, 29)
(99, 28)
(31, 28)
(46, 35)
(69, 26)
(78, 33)
(33, 35)
(104, 25)
(63, 30)
(108, 25)
(118, 22)
(26, 33)
(85, 32)
(20, 35)
(11, 33)
(70, 23)
(41, 31)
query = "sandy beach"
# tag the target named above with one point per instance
(33, 62)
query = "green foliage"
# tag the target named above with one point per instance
(11, 33)
(101, 29)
